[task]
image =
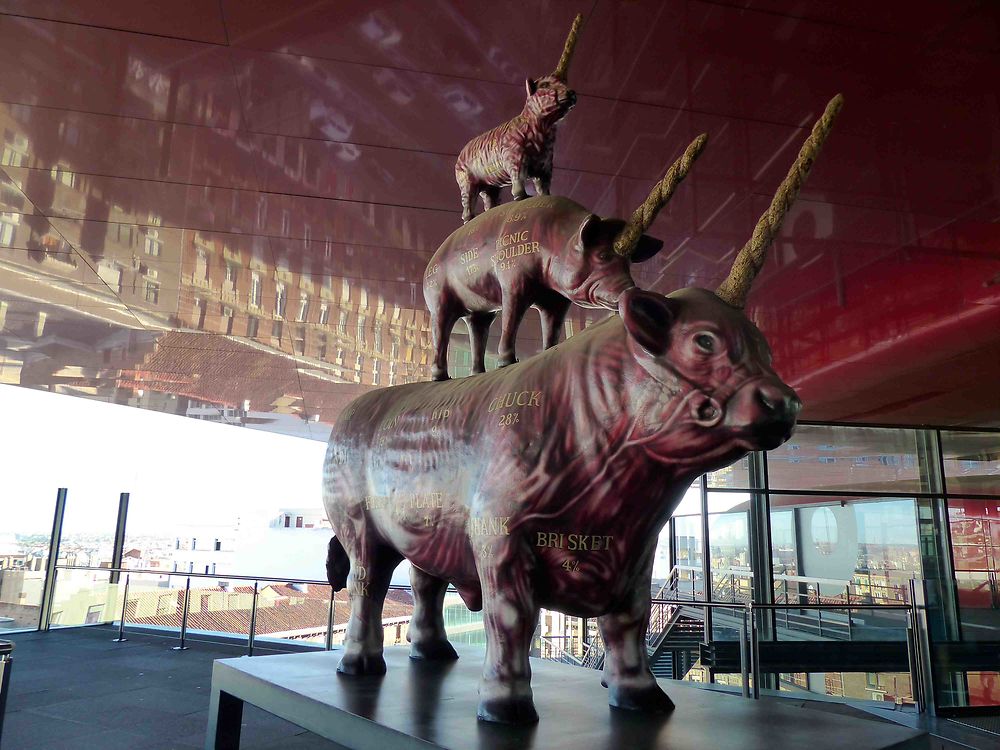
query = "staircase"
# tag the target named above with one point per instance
(677, 650)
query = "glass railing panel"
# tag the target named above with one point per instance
(24, 540)
(84, 597)
(462, 624)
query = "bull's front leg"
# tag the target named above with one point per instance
(627, 675)
(371, 572)
(509, 615)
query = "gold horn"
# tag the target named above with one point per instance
(646, 213)
(562, 69)
(750, 260)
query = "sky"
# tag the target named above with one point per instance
(177, 470)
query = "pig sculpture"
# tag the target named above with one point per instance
(544, 252)
(521, 148)
(545, 484)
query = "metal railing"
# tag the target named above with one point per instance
(663, 613)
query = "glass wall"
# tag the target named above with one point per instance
(850, 515)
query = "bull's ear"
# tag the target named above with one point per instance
(648, 317)
(590, 232)
(646, 249)
(530, 85)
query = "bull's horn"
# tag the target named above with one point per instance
(645, 214)
(562, 69)
(750, 259)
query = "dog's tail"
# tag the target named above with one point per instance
(338, 564)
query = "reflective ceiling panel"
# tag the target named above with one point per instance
(224, 209)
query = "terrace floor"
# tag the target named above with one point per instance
(76, 689)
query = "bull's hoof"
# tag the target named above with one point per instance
(439, 650)
(439, 375)
(508, 710)
(651, 700)
(361, 664)
(507, 361)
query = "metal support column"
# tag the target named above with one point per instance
(922, 647)
(253, 620)
(706, 559)
(184, 616)
(118, 549)
(49, 588)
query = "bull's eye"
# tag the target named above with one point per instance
(705, 342)
(604, 256)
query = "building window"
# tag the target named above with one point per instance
(153, 245)
(255, 290)
(252, 325)
(177, 543)
(298, 522)
(152, 292)
(218, 545)
(232, 274)
(286, 223)
(303, 313)
(280, 299)
(276, 329)
(194, 543)
(288, 521)
(324, 314)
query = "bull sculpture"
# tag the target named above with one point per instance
(519, 149)
(545, 484)
(543, 252)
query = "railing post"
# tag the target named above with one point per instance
(184, 616)
(253, 620)
(121, 622)
(922, 645)
(911, 661)
(744, 656)
(49, 587)
(754, 653)
(329, 621)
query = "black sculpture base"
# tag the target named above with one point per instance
(419, 704)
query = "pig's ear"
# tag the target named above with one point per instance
(648, 317)
(530, 85)
(590, 232)
(646, 249)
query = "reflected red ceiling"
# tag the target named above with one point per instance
(175, 171)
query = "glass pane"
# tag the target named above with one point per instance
(736, 476)
(729, 546)
(871, 686)
(865, 459)
(27, 505)
(975, 544)
(826, 549)
(688, 543)
(971, 462)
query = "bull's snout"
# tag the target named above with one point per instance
(778, 402)
(570, 99)
(767, 411)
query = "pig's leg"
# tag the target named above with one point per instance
(627, 676)
(371, 572)
(468, 196)
(514, 305)
(479, 331)
(491, 197)
(427, 636)
(553, 315)
(509, 615)
(444, 315)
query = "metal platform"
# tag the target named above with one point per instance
(422, 705)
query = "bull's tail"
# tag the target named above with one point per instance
(338, 564)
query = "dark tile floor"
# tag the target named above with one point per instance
(77, 689)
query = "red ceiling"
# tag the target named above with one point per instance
(881, 298)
